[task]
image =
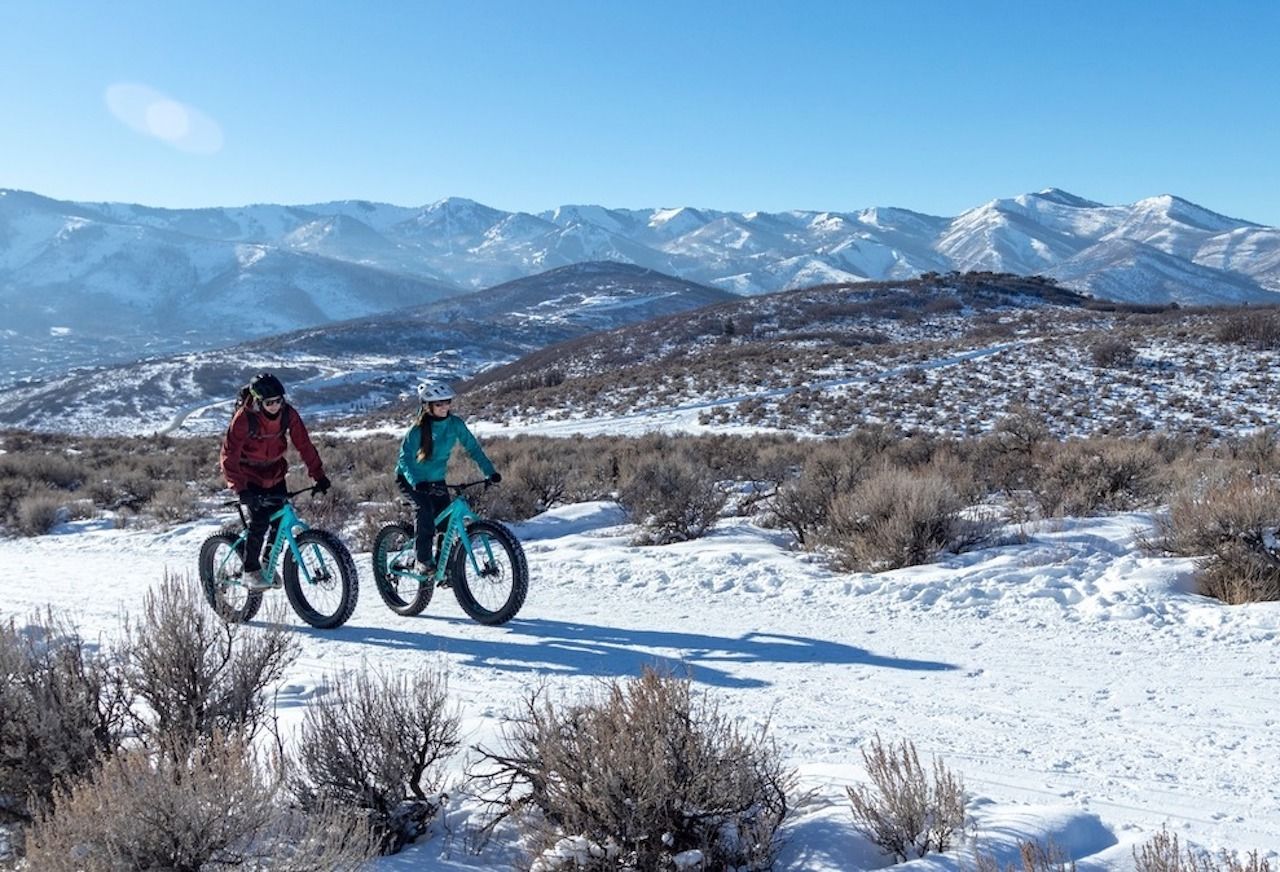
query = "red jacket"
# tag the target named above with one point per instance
(259, 459)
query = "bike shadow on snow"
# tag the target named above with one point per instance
(579, 648)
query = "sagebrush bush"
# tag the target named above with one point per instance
(803, 503)
(1112, 352)
(1032, 857)
(1225, 524)
(372, 519)
(639, 777)
(1009, 458)
(1086, 476)
(331, 511)
(1162, 853)
(211, 807)
(198, 674)
(63, 708)
(375, 745)
(904, 811)
(174, 503)
(673, 499)
(893, 519)
(39, 513)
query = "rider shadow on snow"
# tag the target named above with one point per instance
(578, 648)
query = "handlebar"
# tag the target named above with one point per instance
(271, 498)
(460, 487)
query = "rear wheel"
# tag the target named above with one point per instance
(324, 595)
(392, 551)
(220, 575)
(495, 593)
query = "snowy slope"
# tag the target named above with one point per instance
(1080, 690)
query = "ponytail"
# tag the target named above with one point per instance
(425, 445)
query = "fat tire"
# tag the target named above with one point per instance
(347, 577)
(502, 539)
(213, 592)
(386, 582)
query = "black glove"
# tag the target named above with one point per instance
(248, 498)
(322, 485)
(495, 478)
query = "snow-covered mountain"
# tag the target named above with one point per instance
(172, 278)
(83, 284)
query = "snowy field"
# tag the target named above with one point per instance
(1080, 689)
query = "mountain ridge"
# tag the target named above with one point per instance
(168, 279)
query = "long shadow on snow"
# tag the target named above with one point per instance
(577, 648)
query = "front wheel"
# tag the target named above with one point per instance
(392, 558)
(220, 575)
(323, 591)
(495, 593)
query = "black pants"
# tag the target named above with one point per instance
(429, 499)
(260, 523)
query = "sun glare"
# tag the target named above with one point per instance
(152, 113)
(168, 120)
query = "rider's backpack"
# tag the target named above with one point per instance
(243, 396)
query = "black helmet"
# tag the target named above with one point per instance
(264, 386)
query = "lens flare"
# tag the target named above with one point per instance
(149, 112)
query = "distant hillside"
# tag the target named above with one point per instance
(947, 355)
(357, 364)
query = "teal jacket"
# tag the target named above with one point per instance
(446, 432)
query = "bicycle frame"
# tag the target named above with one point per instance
(455, 517)
(288, 526)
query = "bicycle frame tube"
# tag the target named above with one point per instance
(288, 519)
(459, 513)
(455, 517)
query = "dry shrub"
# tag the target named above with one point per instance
(903, 811)
(63, 707)
(1112, 352)
(1260, 329)
(1009, 457)
(174, 503)
(637, 778)
(329, 511)
(544, 474)
(41, 468)
(1225, 524)
(213, 808)
(124, 488)
(895, 518)
(1259, 451)
(1162, 853)
(198, 674)
(376, 746)
(372, 519)
(38, 513)
(674, 499)
(831, 469)
(1032, 857)
(1084, 477)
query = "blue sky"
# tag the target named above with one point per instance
(933, 106)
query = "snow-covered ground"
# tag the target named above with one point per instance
(1081, 690)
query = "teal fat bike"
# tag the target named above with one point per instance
(318, 572)
(481, 560)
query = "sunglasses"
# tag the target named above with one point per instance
(441, 403)
(273, 401)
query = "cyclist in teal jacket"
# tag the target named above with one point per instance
(424, 457)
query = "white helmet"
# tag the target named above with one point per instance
(434, 392)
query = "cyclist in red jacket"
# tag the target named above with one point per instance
(253, 458)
